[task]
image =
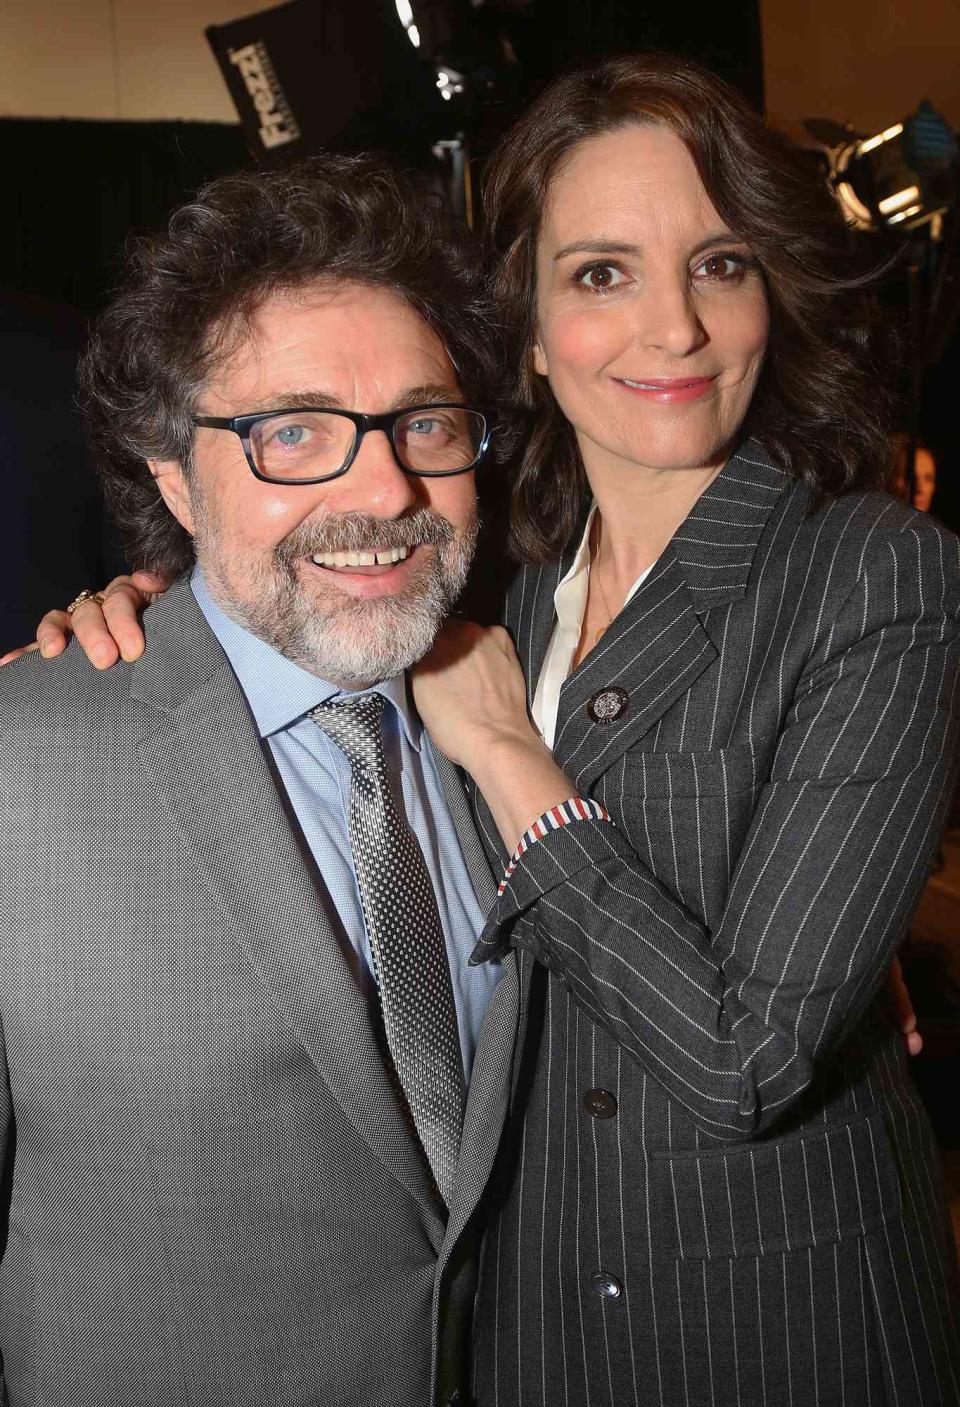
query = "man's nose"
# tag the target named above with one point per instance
(375, 483)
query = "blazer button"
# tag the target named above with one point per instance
(609, 705)
(600, 1103)
(608, 1287)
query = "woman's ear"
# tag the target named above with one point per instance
(172, 483)
(539, 358)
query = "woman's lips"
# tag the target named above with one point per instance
(668, 390)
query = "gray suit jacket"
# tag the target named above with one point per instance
(718, 1186)
(210, 1198)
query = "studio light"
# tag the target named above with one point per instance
(904, 176)
(405, 13)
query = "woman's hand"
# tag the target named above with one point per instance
(902, 1009)
(472, 698)
(107, 631)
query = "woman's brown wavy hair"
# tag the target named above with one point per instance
(820, 407)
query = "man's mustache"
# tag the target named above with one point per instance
(354, 532)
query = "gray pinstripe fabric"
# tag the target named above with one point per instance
(212, 1198)
(767, 1194)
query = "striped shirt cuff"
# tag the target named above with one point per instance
(577, 808)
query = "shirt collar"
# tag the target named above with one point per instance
(280, 692)
(570, 596)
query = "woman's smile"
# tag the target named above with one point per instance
(669, 391)
(652, 316)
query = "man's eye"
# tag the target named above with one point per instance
(290, 435)
(600, 276)
(426, 425)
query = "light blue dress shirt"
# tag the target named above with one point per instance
(316, 777)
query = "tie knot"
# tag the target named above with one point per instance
(356, 728)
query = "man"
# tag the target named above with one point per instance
(237, 1008)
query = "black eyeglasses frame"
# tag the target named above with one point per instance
(242, 426)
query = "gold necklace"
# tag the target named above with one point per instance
(603, 595)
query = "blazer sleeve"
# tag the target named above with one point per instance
(731, 1022)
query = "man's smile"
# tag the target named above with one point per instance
(378, 556)
(374, 571)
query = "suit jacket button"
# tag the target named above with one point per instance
(608, 1287)
(609, 705)
(600, 1103)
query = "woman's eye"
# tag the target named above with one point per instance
(600, 277)
(722, 267)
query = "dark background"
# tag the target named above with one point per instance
(73, 190)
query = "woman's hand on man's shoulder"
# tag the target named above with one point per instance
(107, 625)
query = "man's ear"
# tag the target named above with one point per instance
(172, 483)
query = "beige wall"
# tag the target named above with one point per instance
(866, 62)
(114, 58)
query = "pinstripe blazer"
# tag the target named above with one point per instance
(717, 1185)
(210, 1195)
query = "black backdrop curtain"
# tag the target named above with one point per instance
(73, 191)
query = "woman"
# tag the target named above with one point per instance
(719, 1186)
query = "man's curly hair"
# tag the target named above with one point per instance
(188, 295)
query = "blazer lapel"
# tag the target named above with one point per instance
(488, 1097)
(530, 614)
(481, 868)
(489, 1094)
(213, 776)
(657, 647)
(650, 655)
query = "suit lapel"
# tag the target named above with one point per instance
(530, 613)
(213, 776)
(489, 1094)
(657, 647)
(652, 653)
(488, 1097)
(481, 868)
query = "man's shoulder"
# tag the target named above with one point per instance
(68, 701)
(47, 695)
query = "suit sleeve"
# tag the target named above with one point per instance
(732, 1021)
(6, 1178)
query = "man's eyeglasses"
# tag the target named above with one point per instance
(310, 446)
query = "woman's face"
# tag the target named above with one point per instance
(652, 316)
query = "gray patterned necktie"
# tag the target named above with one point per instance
(406, 937)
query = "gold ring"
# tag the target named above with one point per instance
(85, 595)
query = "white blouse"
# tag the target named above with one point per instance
(569, 603)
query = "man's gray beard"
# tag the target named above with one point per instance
(356, 641)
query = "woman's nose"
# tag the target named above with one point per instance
(668, 319)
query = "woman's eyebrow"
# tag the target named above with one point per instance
(721, 237)
(599, 245)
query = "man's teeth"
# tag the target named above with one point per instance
(380, 557)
